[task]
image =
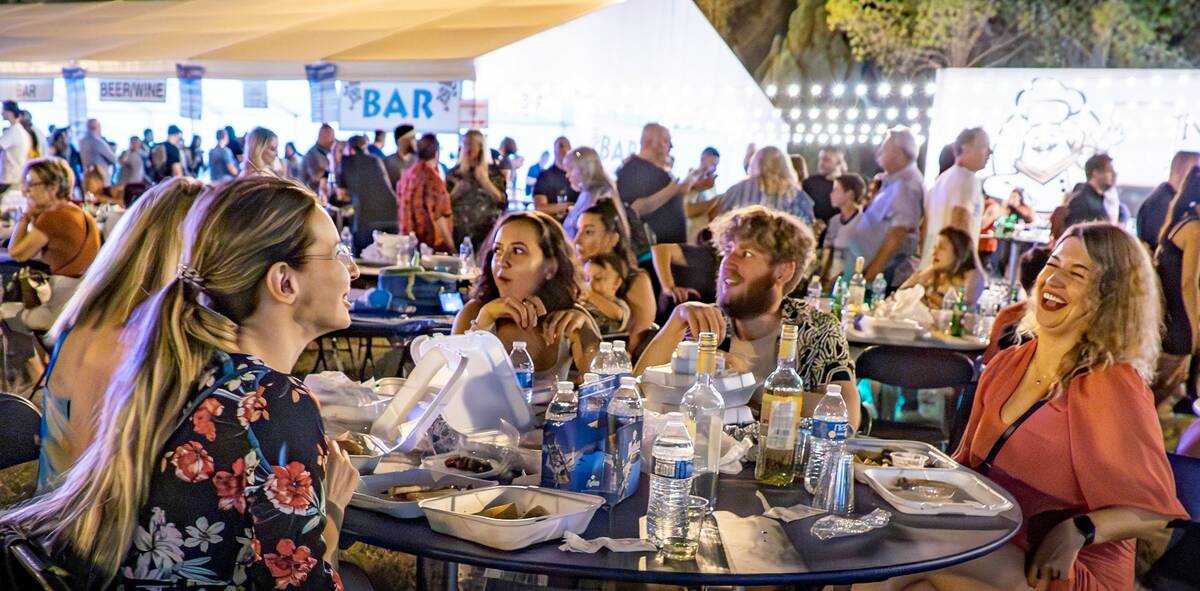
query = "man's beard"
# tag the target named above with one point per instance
(754, 300)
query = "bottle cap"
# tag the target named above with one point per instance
(833, 389)
(618, 345)
(628, 382)
(606, 347)
(708, 340)
(568, 386)
(590, 377)
(790, 331)
(518, 344)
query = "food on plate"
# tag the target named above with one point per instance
(510, 511)
(467, 464)
(417, 492)
(357, 444)
(882, 457)
(929, 489)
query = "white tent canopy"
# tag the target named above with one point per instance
(272, 39)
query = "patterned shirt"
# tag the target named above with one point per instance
(421, 198)
(238, 500)
(822, 355)
(747, 192)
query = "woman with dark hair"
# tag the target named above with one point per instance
(195, 156)
(527, 291)
(1177, 263)
(291, 161)
(422, 200)
(955, 265)
(601, 229)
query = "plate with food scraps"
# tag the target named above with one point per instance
(465, 464)
(936, 492)
(397, 493)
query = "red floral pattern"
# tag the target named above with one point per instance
(192, 462)
(202, 418)
(290, 489)
(291, 565)
(253, 408)
(231, 487)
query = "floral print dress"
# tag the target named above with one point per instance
(237, 500)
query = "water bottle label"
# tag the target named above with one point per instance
(830, 430)
(779, 429)
(678, 469)
(525, 379)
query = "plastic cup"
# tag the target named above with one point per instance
(904, 459)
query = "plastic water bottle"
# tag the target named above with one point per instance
(565, 404)
(621, 363)
(878, 289)
(813, 294)
(466, 256)
(830, 427)
(602, 363)
(670, 486)
(347, 238)
(523, 366)
(624, 434)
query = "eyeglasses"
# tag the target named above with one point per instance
(342, 255)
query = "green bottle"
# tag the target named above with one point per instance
(960, 308)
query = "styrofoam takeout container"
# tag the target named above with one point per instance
(974, 496)
(372, 490)
(663, 387)
(454, 515)
(888, 328)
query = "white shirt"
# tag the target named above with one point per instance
(15, 143)
(957, 187)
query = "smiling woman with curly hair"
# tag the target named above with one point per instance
(1085, 459)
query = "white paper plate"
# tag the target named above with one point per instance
(975, 497)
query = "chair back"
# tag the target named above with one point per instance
(915, 367)
(1187, 483)
(20, 430)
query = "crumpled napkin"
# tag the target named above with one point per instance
(786, 514)
(574, 543)
(836, 526)
(731, 461)
(908, 304)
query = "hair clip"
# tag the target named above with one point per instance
(190, 276)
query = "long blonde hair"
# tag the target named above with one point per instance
(1126, 316)
(257, 142)
(137, 259)
(233, 235)
(772, 171)
(591, 168)
(485, 155)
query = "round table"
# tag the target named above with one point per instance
(861, 340)
(909, 544)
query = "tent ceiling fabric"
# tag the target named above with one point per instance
(272, 39)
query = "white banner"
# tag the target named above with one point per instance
(427, 106)
(322, 87)
(1045, 123)
(133, 91)
(191, 102)
(76, 100)
(24, 91)
(254, 94)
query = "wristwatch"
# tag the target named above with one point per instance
(1084, 524)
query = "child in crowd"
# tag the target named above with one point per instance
(603, 273)
(955, 265)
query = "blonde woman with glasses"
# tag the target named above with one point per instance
(773, 183)
(139, 258)
(210, 465)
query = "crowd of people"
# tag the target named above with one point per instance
(199, 459)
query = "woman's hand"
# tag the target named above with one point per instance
(680, 294)
(341, 477)
(1054, 558)
(524, 312)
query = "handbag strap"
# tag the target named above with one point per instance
(986, 466)
(62, 338)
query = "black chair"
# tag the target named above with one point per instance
(1176, 569)
(20, 430)
(915, 368)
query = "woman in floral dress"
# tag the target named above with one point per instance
(210, 467)
(476, 187)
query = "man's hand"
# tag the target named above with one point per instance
(696, 318)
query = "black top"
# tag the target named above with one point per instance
(172, 157)
(1086, 205)
(1153, 214)
(365, 179)
(819, 188)
(1168, 262)
(552, 181)
(699, 271)
(639, 178)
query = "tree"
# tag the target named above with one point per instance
(907, 37)
(1102, 33)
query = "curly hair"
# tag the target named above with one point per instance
(557, 293)
(783, 236)
(1126, 310)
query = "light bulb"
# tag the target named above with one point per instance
(772, 90)
(793, 90)
(883, 90)
(839, 89)
(906, 90)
